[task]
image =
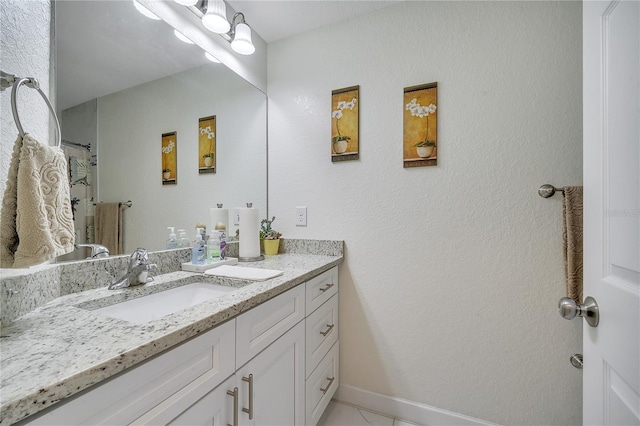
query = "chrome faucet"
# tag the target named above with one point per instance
(98, 251)
(137, 272)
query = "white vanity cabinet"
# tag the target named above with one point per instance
(276, 364)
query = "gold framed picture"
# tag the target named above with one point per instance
(170, 158)
(420, 139)
(207, 144)
(345, 124)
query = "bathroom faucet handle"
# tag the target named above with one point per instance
(140, 256)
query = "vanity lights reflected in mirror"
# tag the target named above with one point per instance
(122, 81)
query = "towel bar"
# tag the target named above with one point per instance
(546, 190)
(16, 82)
(128, 203)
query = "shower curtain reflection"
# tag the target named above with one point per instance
(82, 192)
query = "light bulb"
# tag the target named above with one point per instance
(242, 40)
(215, 19)
(182, 37)
(146, 12)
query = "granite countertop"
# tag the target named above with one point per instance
(62, 347)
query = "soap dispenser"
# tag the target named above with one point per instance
(172, 242)
(198, 250)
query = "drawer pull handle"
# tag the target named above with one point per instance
(328, 330)
(323, 289)
(249, 410)
(324, 390)
(234, 394)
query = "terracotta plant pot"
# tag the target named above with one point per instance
(271, 247)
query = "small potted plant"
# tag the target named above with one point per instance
(269, 236)
(208, 159)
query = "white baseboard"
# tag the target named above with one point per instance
(403, 409)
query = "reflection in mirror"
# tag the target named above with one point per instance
(123, 81)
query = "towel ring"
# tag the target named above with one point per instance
(34, 84)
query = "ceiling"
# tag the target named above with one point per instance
(109, 38)
(278, 19)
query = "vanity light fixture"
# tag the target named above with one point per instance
(237, 33)
(215, 19)
(186, 2)
(240, 34)
(182, 37)
(146, 12)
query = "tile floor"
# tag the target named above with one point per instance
(339, 414)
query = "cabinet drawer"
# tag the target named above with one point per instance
(126, 397)
(259, 327)
(190, 407)
(322, 332)
(321, 288)
(321, 385)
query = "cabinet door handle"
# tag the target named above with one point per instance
(328, 330)
(324, 390)
(323, 289)
(234, 394)
(249, 410)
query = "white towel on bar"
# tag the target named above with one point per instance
(37, 222)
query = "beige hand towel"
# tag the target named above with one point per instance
(572, 241)
(8, 231)
(43, 219)
(108, 225)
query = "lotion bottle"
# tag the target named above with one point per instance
(222, 238)
(213, 247)
(198, 251)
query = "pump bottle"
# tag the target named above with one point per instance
(172, 242)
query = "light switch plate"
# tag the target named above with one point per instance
(236, 216)
(301, 216)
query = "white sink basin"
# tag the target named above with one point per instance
(157, 305)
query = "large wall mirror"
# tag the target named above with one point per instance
(124, 80)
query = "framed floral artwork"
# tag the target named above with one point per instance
(170, 158)
(207, 144)
(345, 124)
(420, 141)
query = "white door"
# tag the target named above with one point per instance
(611, 99)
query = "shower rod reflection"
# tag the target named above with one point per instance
(546, 190)
(76, 144)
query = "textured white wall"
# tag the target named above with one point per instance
(24, 51)
(130, 127)
(452, 273)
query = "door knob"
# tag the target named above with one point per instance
(569, 309)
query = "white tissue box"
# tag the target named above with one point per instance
(188, 266)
